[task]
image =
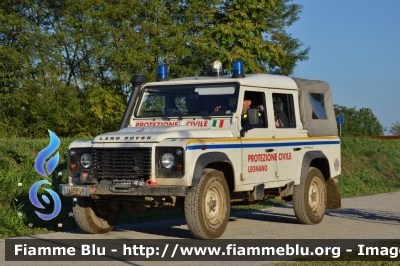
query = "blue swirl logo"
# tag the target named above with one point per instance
(46, 152)
(35, 201)
(50, 166)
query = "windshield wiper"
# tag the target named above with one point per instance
(203, 114)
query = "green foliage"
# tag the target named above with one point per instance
(67, 64)
(17, 175)
(359, 122)
(369, 166)
(106, 106)
(253, 31)
(395, 128)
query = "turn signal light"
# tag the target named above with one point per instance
(72, 166)
(179, 166)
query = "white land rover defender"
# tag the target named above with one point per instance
(184, 143)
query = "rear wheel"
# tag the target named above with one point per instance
(207, 206)
(89, 218)
(309, 198)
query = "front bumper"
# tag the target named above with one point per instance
(67, 190)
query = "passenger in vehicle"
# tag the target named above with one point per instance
(278, 122)
(193, 104)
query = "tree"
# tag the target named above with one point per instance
(50, 48)
(395, 128)
(105, 106)
(359, 122)
(34, 96)
(253, 31)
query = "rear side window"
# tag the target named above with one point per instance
(318, 105)
(284, 110)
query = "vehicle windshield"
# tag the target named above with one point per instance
(188, 100)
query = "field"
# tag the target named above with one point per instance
(369, 166)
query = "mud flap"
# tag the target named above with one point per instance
(257, 193)
(333, 201)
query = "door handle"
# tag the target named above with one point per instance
(269, 150)
(296, 149)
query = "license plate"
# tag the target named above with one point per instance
(74, 191)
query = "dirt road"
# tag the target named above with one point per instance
(370, 217)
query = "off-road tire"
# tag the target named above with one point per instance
(207, 206)
(310, 198)
(89, 221)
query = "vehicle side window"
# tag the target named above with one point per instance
(318, 105)
(256, 101)
(284, 110)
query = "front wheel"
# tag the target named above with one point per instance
(89, 219)
(207, 206)
(309, 198)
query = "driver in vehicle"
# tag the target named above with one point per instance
(192, 104)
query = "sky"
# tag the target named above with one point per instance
(355, 47)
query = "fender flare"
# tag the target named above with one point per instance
(307, 159)
(204, 160)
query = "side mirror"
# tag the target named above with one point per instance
(253, 119)
(252, 115)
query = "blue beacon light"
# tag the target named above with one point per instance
(162, 73)
(238, 69)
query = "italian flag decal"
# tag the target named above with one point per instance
(218, 123)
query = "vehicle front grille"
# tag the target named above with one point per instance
(121, 163)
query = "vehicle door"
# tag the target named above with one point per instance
(286, 127)
(258, 146)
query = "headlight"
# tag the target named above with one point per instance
(86, 160)
(168, 160)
